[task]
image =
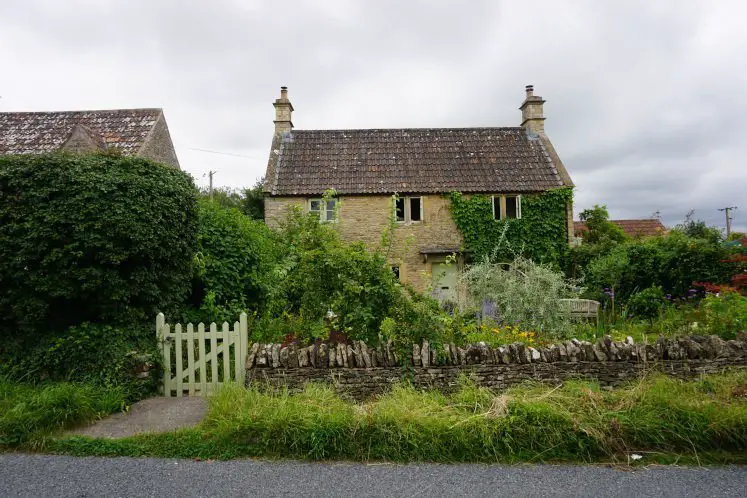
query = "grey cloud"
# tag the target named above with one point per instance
(645, 100)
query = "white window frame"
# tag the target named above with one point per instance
(502, 206)
(325, 216)
(408, 211)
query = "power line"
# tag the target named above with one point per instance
(222, 153)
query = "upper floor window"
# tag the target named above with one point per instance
(326, 209)
(506, 207)
(408, 209)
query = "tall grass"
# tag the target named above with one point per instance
(577, 422)
(30, 413)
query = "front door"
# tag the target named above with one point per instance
(444, 281)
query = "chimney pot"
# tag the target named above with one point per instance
(530, 90)
(283, 92)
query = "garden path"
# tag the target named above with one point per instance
(148, 415)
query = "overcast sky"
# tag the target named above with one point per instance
(646, 100)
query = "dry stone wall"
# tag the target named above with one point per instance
(359, 371)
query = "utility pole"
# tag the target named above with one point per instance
(728, 218)
(210, 188)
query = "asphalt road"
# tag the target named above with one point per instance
(38, 476)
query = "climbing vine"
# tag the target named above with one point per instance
(541, 233)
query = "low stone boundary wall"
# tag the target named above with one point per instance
(358, 371)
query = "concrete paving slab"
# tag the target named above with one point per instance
(148, 415)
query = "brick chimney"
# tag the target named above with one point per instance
(283, 111)
(532, 116)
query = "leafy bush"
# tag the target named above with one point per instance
(95, 238)
(91, 353)
(525, 294)
(648, 303)
(723, 315)
(235, 262)
(324, 281)
(672, 262)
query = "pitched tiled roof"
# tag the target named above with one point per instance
(421, 160)
(40, 132)
(633, 228)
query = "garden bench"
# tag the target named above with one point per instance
(582, 308)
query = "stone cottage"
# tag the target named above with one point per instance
(380, 175)
(133, 132)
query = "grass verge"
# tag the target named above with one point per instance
(30, 414)
(664, 419)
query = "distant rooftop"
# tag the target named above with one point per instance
(633, 228)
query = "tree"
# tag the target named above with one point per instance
(697, 229)
(253, 203)
(598, 227)
(223, 196)
(96, 238)
(599, 239)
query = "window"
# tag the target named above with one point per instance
(416, 211)
(325, 209)
(408, 209)
(395, 271)
(399, 209)
(506, 207)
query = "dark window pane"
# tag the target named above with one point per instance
(395, 270)
(497, 207)
(331, 205)
(399, 209)
(415, 212)
(315, 205)
(512, 208)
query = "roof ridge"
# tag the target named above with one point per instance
(159, 109)
(408, 129)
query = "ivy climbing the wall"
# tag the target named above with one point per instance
(541, 233)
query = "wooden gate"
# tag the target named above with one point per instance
(197, 362)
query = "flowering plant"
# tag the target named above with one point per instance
(494, 335)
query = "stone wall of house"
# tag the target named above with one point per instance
(364, 218)
(358, 371)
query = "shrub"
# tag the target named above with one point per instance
(322, 280)
(672, 262)
(235, 262)
(648, 303)
(95, 354)
(93, 238)
(724, 314)
(525, 293)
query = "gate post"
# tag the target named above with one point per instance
(160, 322)
(244, 343)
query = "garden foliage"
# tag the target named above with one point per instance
(541, 234)
(235, 262)
(523, 292)
(673, 262)
(91, 238)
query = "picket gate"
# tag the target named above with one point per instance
(197, 362)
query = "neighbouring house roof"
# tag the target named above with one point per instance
(39, 132)
(419, 160)
(633, 228)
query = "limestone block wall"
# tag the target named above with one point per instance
(359, 371)
(364, 219)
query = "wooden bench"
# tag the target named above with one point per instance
(582, 308)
